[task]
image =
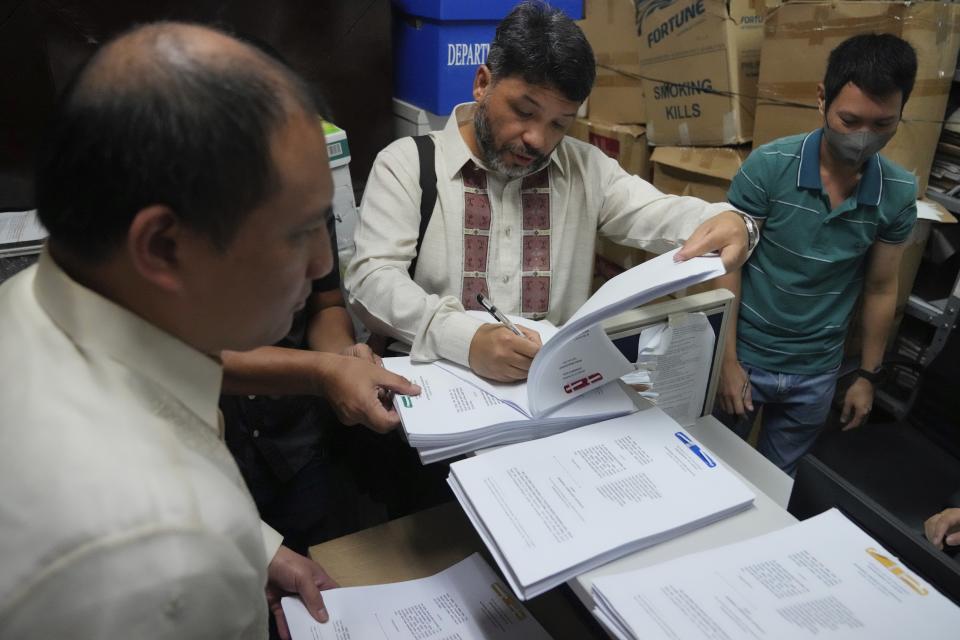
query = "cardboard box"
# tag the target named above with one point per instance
(611, 259)
(686, 171)
(628, 145)
(703, 172)
(625, 143)
(787, 91)
(610, 26)
(704, 57)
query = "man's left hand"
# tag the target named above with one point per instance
(725, 233)
(857, 404)
(290, 573)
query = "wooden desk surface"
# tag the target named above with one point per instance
(424, 543)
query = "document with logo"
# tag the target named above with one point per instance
(820, 578)
(453, 415)
(574, 379)
(581, 356)
(468, 601)
(553, 508)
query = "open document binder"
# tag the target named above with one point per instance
(574, 380)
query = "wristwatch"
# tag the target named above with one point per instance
(874, 377)
(753, 231)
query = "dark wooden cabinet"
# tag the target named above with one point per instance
(342, 48)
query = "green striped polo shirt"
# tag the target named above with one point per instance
(803, 279)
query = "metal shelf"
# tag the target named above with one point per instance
(952, 204)
(942, 316)
(930, 311)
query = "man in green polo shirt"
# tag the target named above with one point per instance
(833, 217)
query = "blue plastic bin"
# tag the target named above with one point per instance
(439, 44)
(477, 9)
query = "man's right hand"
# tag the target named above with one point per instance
(734, 391)
(499, 354)
(361, 392)
(943, 528)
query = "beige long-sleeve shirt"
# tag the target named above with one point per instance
(122, 513)
(528, 243)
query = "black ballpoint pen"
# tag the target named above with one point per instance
(496, 313)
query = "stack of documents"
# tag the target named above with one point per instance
(573, 380)
(467, 601)
(459, 412)
(21, 233)
(821, 578)
(551, 509)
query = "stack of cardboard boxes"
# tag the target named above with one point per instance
(799, 38)
(616, 110)
(702, 58)
(699, 79)
(679, 76)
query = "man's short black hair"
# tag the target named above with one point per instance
(879, 64)
(191, 132)
(544, 47)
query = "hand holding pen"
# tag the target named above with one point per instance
(502, 351)
(498, 315)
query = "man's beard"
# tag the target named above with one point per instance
(492, 156)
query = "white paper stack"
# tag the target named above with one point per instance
(820, 578)
(553, 508)
(458, 412)
(574, 378)
(468, 601)
(21, 233)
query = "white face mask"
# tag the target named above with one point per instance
(854, 148)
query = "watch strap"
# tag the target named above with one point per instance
(874, 377)
(753, 231)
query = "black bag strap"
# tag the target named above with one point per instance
(428, 186)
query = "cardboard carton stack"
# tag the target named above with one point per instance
(787, 99)
(701, 59)
(703, 172)
(616, 111)
(686, 70)
(610, 26)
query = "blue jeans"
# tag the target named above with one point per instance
(795, 407)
